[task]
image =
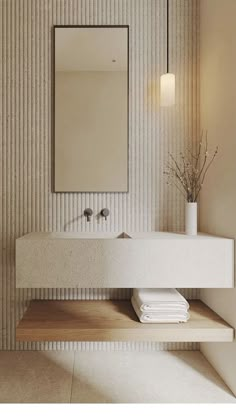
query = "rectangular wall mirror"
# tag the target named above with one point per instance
(91, 109)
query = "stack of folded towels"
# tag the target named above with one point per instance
(160, 305)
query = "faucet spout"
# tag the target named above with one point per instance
(88, 212)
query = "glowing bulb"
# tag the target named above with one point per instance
(167, 90)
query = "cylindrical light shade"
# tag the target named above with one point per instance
(167, 91)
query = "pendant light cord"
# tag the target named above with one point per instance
(167, 36)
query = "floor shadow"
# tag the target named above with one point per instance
(90, 390)
(36, 377)
(200, 367)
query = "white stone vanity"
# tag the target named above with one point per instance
(119, 260)
(113, 260)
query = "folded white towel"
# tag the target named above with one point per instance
(159, 317)
(154, 299)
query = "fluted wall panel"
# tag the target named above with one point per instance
(28, 203)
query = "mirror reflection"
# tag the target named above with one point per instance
(91, 109)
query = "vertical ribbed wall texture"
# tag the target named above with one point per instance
(28, 203)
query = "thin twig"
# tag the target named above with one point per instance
(206, 170)
(187, 176)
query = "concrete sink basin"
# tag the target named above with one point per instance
(123, 260)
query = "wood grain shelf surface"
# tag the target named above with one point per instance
(115, 321)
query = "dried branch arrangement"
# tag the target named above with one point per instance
(188, 172)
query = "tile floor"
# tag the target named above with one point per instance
(110, 377)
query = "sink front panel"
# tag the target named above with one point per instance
(51, 261)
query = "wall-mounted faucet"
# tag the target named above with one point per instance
(88, 212)
(105, 213)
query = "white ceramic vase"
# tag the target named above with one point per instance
(191, 219)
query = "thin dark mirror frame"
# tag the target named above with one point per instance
(54, 99)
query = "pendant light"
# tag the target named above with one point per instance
(167, 86)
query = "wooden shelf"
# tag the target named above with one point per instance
(115, 321)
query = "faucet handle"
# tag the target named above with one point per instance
(88, 212)
(105, 213)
